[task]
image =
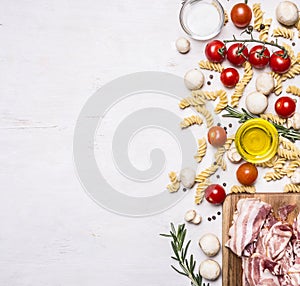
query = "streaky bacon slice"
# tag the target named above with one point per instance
(248, 220)
(277, 240)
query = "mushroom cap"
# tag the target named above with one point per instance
(210, 269)
(210, 244)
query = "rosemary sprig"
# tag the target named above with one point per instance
(180, 251)
(288, 133)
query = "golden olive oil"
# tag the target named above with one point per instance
(257, 140)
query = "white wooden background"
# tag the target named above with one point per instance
(53, 56)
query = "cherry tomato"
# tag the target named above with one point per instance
(247, 174)
(215, 194)
(215, 51)
(217, 136)
(241, 15)
(280, 62)
(237, 54)
(229, 77)
(259, 56)
(285, 107)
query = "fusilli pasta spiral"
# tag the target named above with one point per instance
(223, 101)
(274, 118)
(243, 189)
(291, 188)
(258, 16)
(273, 176)
(241, 85)
(205, 174)
(264, 33)
(202, 147)
(207, 65)
(191, 120)
(293, 90)
(283, 32)
(291, 168)
(175, 185)
(207, 114)
(200, 191)
(219, 156)
(190, 101)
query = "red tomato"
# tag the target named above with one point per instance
(259, 56)
(215, 194)
(285, 107)
(241, 15)
(229, 77)
(217, 136)
(247, 174)
(215, 51)
(237, 54)
(280, 62)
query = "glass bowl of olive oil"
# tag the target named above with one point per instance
(257, 140)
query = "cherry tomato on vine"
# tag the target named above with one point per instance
(285, 106)
(229, 77)
(215, 51)
(237, 54)
(241, 15)
(215, 194)
(216, 136)
(259, 56)
(280, 62)
(247, 174)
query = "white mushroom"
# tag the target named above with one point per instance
(287, 13)
(187, 177)
(294, 121)
(265, 83)
(295, 179)
(210, 244)
(210, 269)
(233, 155)
(182, 45)
(194, 79)
(256, 102)
(197, 219)
(190, 215)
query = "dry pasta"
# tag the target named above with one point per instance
(284, 33)
(264, 33)
(190, 101)
(175, 185)
(223, 101)
(288, 145)
(219, 158)
(291, 188)
(291, 168)
(258, 16)
(243, 189)
(293, 90)
(229, 141)
(287, 154)
(208, 95)
(241, 85)
(207, 65)
(205, 174)
(200, 191)
(274, 118)
(191, 120)
(267, 164)
(278, 83)
(202, 147)
(207, 114)
(273, 176)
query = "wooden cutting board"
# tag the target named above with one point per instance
(232, 265)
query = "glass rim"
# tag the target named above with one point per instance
(197, 36)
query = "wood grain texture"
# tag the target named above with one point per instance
(232, 265)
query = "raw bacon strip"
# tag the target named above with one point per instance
(277, 240)
(247, 222)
